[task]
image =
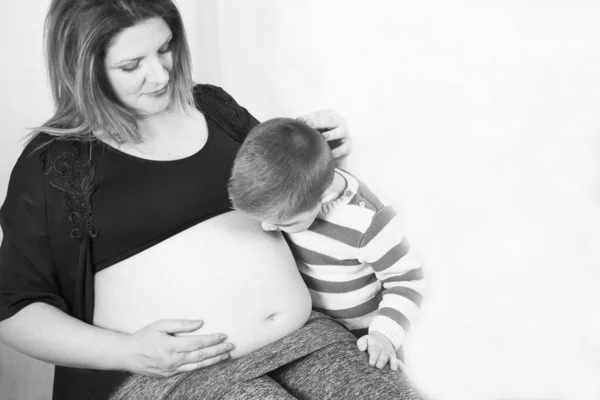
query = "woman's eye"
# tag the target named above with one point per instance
(165, 49)
(131, 68)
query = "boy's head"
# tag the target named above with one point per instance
(281, 175)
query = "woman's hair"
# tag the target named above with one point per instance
(282, 168)
(78, 34)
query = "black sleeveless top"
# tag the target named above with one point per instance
(74, 208)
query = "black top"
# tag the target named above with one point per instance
(74, 208)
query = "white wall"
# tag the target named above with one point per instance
(481, 120)
(25, 101)
(478, 118)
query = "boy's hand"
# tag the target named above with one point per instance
(381, 350)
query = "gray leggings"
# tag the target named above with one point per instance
(338, 371)
(319, 361)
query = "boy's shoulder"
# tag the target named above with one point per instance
(361, 195)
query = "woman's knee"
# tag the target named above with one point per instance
(342, 371)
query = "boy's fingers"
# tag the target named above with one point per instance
(373, 355)
(382, 361)
(394, 363)
(362, 343)
(401, 367)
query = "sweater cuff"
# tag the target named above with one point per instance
(389, 329)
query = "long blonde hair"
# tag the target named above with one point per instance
(77, 35)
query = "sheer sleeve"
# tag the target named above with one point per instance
(27, 273)
(222, 107)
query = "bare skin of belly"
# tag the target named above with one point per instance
(226, 271)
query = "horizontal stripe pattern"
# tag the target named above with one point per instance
(359, 267)
(380, 220)
(338, 301)
(338, 287)
(415, 274)
(353, 312)
(395, 316)
(342, 234)
(391, 257)
(358, 323)
(313, 258)
(333, 273)
(323, 244)
(351, 216)
(408, 293)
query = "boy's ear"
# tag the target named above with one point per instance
(328, 196)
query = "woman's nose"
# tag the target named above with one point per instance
(157, 72)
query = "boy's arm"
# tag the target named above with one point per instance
(385, 248)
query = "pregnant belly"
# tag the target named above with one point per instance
(226, 271)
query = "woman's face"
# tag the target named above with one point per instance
(138, 65)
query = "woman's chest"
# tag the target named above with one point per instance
(139, 203)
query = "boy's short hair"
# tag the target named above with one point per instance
(282, 168)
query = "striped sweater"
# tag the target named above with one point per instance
(358, 265)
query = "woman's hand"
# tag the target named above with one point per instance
(156, 351)
(334, 129)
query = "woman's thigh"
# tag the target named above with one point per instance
(261, 388)
(341, 371)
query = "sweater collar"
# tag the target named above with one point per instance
(347, 194)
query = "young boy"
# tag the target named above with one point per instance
(349, 246)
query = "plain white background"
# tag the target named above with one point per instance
(480, 120)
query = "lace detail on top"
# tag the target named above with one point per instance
(217, 103)
(75, 179)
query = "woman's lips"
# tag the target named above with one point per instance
(159, 92)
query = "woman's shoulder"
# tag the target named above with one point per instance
(27, 180)
(41, 153)
(212, 92)
(29, 163)
(224, 109)
(53, 172)
(216, 99)
(45, 160)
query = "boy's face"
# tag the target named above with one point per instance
(297, 223)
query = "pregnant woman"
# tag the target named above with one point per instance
(122, 261)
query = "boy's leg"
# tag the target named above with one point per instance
(261, 388)
(341, 371)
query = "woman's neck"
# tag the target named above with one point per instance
(153, 127)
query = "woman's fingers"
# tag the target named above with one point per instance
(322, 119)
(339, 132)
(191, 343)
(172, 326)
(343, 149)
(333, 128)
(207, 353)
